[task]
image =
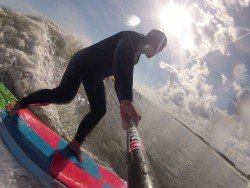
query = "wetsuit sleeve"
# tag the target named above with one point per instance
(124, 68)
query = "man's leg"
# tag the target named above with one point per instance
(64, 93)
(96, 95)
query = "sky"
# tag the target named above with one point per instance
(202, 73)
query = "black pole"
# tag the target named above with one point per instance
(139, 170)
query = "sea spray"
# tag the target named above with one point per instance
(34, 54)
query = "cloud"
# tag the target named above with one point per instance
(188, 89)
(242, 3)
(213, 27)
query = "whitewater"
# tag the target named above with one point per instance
(33, 55)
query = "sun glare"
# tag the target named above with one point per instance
(177, 21)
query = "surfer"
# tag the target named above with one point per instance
(113, 56)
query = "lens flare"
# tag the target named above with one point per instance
(240, 73)
(133, 21)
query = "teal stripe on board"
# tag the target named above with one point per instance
(88, 165)
(106, 186)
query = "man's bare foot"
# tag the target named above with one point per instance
(76, 148)
(13, 108)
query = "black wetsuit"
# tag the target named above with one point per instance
(116, 56)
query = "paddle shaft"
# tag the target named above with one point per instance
(139, 170)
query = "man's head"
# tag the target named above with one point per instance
(156, 41)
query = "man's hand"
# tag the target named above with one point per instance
(128, 113)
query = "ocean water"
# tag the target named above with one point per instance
(34, 54)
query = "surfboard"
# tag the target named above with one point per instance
(46, 155)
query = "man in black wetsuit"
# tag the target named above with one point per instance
(113, 56)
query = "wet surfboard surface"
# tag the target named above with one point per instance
(46, 154)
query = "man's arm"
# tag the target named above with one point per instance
(123, 67)
(123, 73)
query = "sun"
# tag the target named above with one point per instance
(177, 21)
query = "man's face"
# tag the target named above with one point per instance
(152, 51)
